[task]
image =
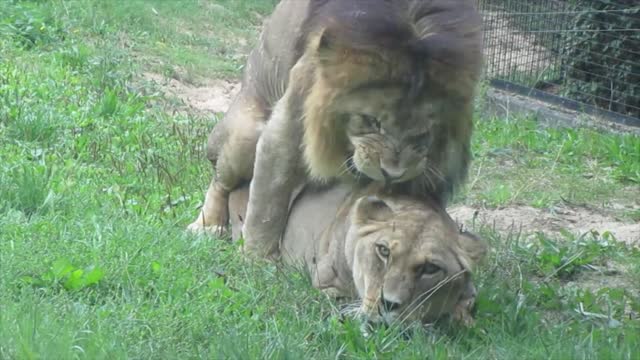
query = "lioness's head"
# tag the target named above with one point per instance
(393, 83)
(410, 261)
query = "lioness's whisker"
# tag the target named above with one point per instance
(386, 344)
(432, 291)
(400, 319)
(436, 288)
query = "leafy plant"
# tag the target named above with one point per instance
(63, 273)
(564, 258)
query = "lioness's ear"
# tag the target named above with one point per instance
(372, 208)
(473, 248)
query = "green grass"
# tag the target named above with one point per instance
(98, 180)
(518, 162)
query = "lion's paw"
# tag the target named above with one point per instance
(197, 228)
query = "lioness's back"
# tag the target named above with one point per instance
(311, 214)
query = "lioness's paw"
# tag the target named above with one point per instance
(462, 312)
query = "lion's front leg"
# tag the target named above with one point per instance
(214, 215)
(277, 173)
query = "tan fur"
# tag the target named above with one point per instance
(333, 233)
(351, 91)
(325, 149)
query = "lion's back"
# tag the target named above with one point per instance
(267, 69)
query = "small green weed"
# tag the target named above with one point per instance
(63, 273)
(27, 188)
(36, 127)
(566, 257)
(30, 25)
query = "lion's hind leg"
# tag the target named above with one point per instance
(231, 148)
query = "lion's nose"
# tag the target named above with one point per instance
(392, 173)
(390, 305)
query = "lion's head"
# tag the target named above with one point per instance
(409, 260)
(392, 89)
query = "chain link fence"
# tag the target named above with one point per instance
(582, 54)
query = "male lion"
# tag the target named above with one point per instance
(405, 258)
(348, 91)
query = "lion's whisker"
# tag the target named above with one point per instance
(436, 172)
(346, 166)
(427, 182)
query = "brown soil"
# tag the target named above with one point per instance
(530, 220)
(212, 96)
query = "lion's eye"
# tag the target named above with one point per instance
(429, 269)
(422, 138)
(371, 121)
(383, 251)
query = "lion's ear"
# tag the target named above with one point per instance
(325, 42)
(372, 208)
(473, 248)
(333, 47)
(329, 47)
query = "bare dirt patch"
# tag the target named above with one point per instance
(530, 220)
(211, 96)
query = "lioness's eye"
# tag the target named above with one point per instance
(429, 269)
(383, 251)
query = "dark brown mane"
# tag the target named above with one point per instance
(446, 32)
(363, 25)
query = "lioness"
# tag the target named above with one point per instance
(347, 90)
(405, 258)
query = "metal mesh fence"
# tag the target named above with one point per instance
(584, 52)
